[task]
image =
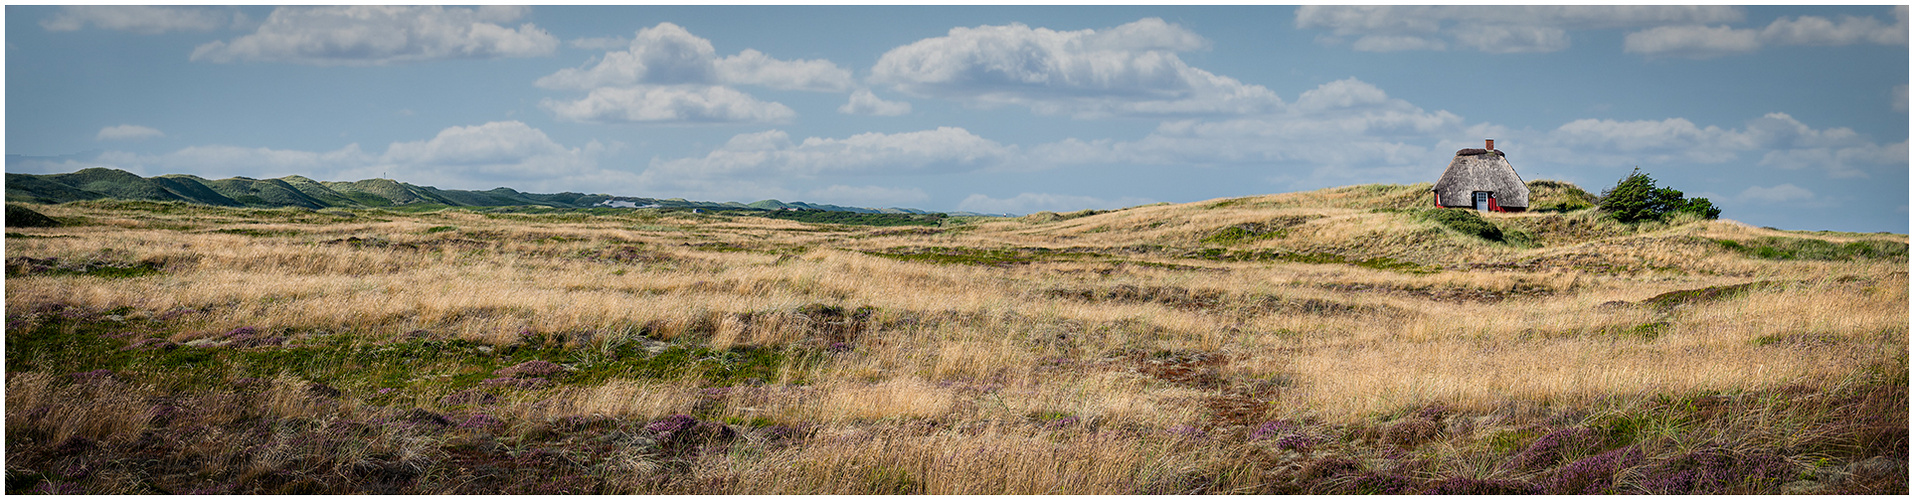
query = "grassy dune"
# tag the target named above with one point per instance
(1335, 341)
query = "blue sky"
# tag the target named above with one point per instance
(1793, 117)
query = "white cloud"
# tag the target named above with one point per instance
(1656, 140)
(1348, 20)
(863, 102)
(1392, 43)
(668, 54)
(1778, 194)
(127, 133)
(1145, 34)
(1781, 140)
(379, 35)
(1840, 162)
(867, 196)
(141, 19)
(1494, 29)
(1025, 203)
(665, 54)
(1676, 31)
(1695, 42)
(1131, 69)
(1848, 30)
(751, 67)
(1366, 19)
(1778, 130)
(1505, 39)
(671, 76)
(495, 143)
(1698, 42)
(1344, 93)
(669, 104)
(508, 153)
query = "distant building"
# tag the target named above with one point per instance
(1482, 179)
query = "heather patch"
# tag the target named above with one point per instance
(1717, 471)
(1384, 484)
(1470, 486)
(1554, 447)
(92, 377)
(533, 368)
(1593, 475)
(1410, 432)
(247, 336)
(521, 383)
(469, 397)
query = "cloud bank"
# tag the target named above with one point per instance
(1131, 69)
(369, 35)
(668, 104)
(127, 133)
(1492, 29)
(145, 20)
(1702, 42)
(668, 75)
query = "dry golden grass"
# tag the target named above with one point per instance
(986, 348)
(1348, 364)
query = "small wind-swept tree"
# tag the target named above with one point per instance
(1636, 199)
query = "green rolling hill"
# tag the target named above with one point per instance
(297, 191)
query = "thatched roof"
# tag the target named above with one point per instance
(1481, 170)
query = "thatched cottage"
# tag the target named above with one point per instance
(1482, 179)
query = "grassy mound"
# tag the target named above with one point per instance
(1466, 222)
(19, 216)
(1781, 248)
(1557, 196)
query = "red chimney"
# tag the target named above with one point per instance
(1491, 146)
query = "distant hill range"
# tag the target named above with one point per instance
(296, 191)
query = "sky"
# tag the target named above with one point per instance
(1789, 117)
